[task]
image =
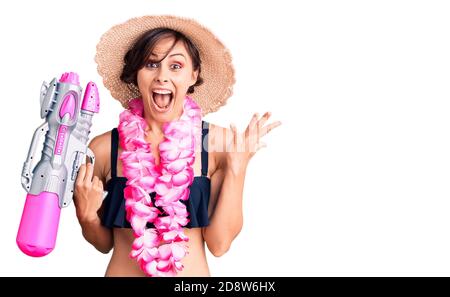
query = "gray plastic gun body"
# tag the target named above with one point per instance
(50, 184)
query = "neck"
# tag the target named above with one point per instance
(155, 127)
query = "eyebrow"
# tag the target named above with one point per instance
(177, 54)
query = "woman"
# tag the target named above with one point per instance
(174, 182)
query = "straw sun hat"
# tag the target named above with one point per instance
(216, 67)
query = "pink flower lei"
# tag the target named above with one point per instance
(159, 250)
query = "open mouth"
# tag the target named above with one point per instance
(163, 100)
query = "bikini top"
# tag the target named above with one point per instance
(114, 214)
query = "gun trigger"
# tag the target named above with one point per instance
(76, 164)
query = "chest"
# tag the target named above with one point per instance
(211, 164)
(156, 154)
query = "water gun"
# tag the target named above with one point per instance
(50, 184)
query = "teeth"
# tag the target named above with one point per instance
(163, 107)
(163, 92)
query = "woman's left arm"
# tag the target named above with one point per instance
(227, 217)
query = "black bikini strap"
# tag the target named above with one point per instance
(114, 149)
(205, 129)
(204, 154)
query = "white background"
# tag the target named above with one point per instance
(355, 181)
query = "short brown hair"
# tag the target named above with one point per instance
(139, 53)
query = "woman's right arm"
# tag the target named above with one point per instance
(88, 195)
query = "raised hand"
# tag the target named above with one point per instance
(243, 146)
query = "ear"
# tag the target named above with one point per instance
(194, 77)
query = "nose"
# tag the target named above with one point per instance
(161, 76)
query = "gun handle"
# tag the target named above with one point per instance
(39, 224)
(27, 170)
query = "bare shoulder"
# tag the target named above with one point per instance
(101, 142)
(101, 147)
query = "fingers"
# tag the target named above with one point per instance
(97, 183)
(256, 125)
(264, 119)
(81, 174)
(85, 176)
(252, 125)
(255, 130)
(233, 137)
(260, 146)
(254, 120)
(89, 173)
(268, 128)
